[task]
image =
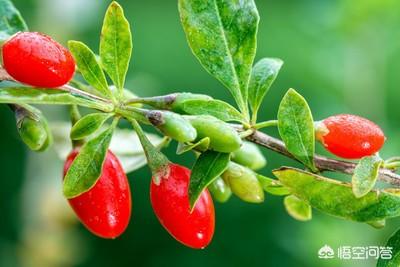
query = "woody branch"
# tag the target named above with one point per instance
(321, 162)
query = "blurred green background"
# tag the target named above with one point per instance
(343, 56)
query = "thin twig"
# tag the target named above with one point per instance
(4, 76)
(76, 91)
(321, 162)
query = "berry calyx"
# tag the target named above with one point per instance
(170, 202)
(350, 136)
(105, 209)
(37, 60)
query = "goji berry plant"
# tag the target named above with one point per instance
(226, 140)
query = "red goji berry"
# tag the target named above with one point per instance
(350, 136)
(105, 209)
(170, 201)
(37, 60)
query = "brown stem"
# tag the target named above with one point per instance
(321, 162)
(4, 76)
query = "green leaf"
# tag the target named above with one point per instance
(365, 175)
(272, 186)
(88, 125)
(207, 168)
(337, 199)
(222, 35)
(213, 107)
(297, 208)
(394, 244)
(15, 95)
(132, 157)
(296, 128)
(89, 67)
(201, 145)
(116, 45)
(262, 76)
(87, 167)
(11, 21)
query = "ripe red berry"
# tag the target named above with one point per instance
(350, 136)
(170, 203)
(105, 209)
(36, 59)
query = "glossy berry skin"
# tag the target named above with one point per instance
(37, 60)
(349, 136)
(105, 209)
(170, 203)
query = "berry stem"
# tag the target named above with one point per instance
(392, 165)
(246, 133)
(264, 124)
(159, 101)
(392, 159)
(157, 161)
(75, 116)
(132, 113)
(76, 91)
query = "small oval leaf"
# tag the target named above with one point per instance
(296, 128)
(116, 45)
(88, 125)
(297, 208)
(208, 167)
(262, 76)
(87, 167)
(89, 67)
(365, 175)
(213, 107)
(337, 199)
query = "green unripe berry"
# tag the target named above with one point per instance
(223, 138)
(243, 183)
(32, 133)
(249, 155)
(220, 190)
(33, 128)
(49, 139)
(172, 102)
(180, 98)
(172, 125)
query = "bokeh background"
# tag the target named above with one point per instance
(343, 56)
